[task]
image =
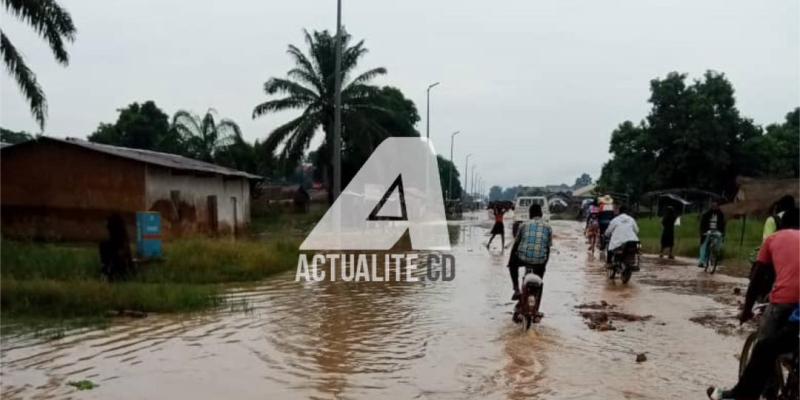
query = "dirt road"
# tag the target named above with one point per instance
(437, 340)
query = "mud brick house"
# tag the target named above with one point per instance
(65, 189)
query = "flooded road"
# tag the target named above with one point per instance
(404, 340)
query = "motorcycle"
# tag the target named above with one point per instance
(526, 311)
(784, 383)
(624, 261)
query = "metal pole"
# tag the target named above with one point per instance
(452, 167)
(337, 107)
(428, 112)
(472, 181)
(465, 189)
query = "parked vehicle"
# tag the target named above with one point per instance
(521, 206)
(624, 262)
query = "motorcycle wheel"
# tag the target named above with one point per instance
(626, 274)
(612, 272)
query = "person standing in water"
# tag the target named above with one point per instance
(498, 228)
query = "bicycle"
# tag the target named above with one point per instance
(714, 251)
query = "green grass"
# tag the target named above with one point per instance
(63, 281)
(282, 220)
(736, 252)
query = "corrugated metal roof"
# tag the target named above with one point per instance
(167, 160)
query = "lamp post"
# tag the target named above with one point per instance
(472, 182)
(428, 112)
(465, 189)
(450, 171)
(337, 108)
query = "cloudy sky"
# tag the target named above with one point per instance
(535, 87)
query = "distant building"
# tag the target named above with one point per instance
(64, 189)
(757, 196)
(585, 191)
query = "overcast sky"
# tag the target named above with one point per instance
(535, 87)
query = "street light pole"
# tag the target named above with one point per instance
(337, 107)
(465, 189)
(450, 171)
(428, 112)
(472, 181)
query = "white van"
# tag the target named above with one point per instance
(521, 206)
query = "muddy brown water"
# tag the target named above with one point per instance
(408, 340)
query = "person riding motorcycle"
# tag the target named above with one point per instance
(605, 214)
(779, 256)
(621, 230)
(531, 247)
(712, 227)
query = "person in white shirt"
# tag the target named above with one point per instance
(621, 229)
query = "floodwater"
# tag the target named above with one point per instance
(404, 340)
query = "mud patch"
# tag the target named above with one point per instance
(723, 292)
(723, 324)
(601, 316)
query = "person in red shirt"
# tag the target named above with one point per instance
(779, 257)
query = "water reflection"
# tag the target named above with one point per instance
(442, 340)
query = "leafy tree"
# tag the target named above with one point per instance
(445, 169)
(14, 137)
(54, 25)
(495, 193)
(694, 136)
(309, 87)
(777, 152)
(204, 137)
(583, 180)
(141, 126)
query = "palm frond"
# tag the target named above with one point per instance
(229, 133)
(49, 20)
(295, 147)
(186, 124)
(278, 85)
(25, 78)
(278, 105)
(367, 76)
(279, 134)
(351, 55)
(306, 67)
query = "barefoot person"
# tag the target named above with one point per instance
(498, 228)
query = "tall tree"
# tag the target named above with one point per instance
(445, 169)
(309, 87)
(495, 193)
(54, 24)
(583, 180)
(14, 137)
(694, 136)
(141, 126)
(205, 136)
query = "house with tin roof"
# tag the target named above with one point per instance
(65, 189)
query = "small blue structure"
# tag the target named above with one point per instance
(148, 234)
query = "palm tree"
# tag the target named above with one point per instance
(204, 136)
(309, 87)
(54, 25)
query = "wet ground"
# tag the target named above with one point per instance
(423, 340)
